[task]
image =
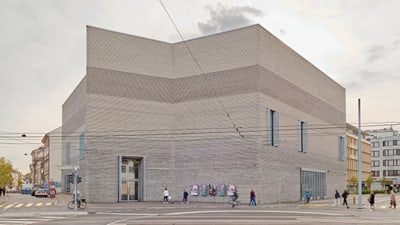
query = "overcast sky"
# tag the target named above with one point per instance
(43, 50)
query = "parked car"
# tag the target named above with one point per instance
(41, 192)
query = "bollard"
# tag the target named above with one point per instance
(354, 200)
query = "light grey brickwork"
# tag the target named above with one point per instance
(195, 112)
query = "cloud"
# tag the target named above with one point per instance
(226, 18)
(376, 52)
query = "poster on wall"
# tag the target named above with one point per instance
(221, 189)
(194, 190)
(203, 189)
(212, 190)
(231, 189)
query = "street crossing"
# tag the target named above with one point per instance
(5, 206)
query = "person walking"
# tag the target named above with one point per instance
(166, 195)
(185, 196)
(307, 198)
(371, 200)
(336, 202)
(344, 195)
(235, 197)
(392, 199)
(252, 198)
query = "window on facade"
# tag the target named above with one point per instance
(303, 136)
(394, 142)
(341, 148)
(375, 163)
(272, 127)
(82, 146)
(375, 173)
(375, 153)
(375, 144)
(123, 169)
(68, 153)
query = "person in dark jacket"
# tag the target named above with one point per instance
(344, 195)
(371, 200)
(252, 198)
(185, 196)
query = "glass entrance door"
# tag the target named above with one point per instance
(129, 191)
(129, 179)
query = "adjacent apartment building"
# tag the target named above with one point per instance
(385, 157)
(235, 110)
(352, 157)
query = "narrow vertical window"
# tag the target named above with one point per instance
(82, 146)
(272, 127)
(303, 137)
(68, 153)
(341, 148)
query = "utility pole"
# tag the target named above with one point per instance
(359, 157)
(75, 175)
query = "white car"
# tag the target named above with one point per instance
(41, 192)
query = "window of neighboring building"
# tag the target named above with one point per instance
(375, 163)
(303, 136)
(375, 173)
(272, 127)
(341, 148)
(82, 146)
(375, 153)
(394, 142)
(375, 144)
(68, 153)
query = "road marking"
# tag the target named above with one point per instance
(29, 205)
(19, 205)
(8, 206)
(49, 203)
(39, 204)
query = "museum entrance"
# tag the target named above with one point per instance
(130, 169)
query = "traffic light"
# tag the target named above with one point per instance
(70, 178)
(79, 179)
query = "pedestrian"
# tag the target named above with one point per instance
(337, 199)
(235, 197)
(307, 198)
(344, 195)
(252, 198)
(371, 200)
(166, 195)
(392, 199)
(4, 191)
(1, 191)
(185, 196)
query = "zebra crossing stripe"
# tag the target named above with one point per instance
(9, 206)
(19, 205)
(39, 204)
(29, 205)
(49, 203)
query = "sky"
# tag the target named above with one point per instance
(43, 51)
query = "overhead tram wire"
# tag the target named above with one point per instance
(201, 70)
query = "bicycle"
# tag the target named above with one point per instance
(81, 203)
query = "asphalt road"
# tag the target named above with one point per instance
(320, 212)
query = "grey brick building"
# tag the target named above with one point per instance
(238, 107)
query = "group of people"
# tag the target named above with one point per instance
(235, 197)
(392, 199)
(344, 195)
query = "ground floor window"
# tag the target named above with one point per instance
(313, 181)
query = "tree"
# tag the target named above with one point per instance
(383, 182)
(369, 182)
(5, 172)
(353, 181)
